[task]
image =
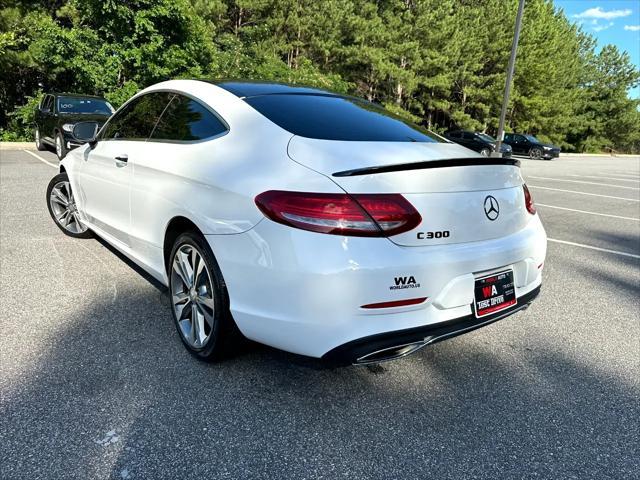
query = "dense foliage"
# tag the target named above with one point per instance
(439, 62)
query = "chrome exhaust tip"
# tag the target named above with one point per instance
(391, 353)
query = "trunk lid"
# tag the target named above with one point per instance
(456, 191)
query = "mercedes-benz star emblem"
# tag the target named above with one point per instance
(491, 208)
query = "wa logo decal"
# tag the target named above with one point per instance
(489, 291)
(404, 282)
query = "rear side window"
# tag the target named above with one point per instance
(47, 102)
(137, 119)
(468, 136)
(186, 120)
(337, 118)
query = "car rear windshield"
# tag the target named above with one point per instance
(486, 138)
(330, 117)
(84, 105)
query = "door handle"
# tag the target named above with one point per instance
(124, 158)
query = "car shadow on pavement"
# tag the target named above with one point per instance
(115, 395)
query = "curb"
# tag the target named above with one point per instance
(17, 146)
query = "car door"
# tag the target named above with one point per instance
(469, 141)
(516, 143)
(105, 172)
(166, 180)
(47, 120)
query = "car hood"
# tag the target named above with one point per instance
(83, 117)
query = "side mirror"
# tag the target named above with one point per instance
(86, 132)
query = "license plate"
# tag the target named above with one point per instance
(494, 292)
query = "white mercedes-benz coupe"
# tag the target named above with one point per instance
(310, 221)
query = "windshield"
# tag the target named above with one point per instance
(330, 117)
(531, 138)
(486, 138)
(84, 105)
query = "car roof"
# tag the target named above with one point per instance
(245, 89)
(79, 95)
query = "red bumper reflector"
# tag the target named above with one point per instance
(396, 303)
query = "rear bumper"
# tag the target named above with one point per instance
(397, 344)
(303, 292)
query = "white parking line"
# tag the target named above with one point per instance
(40, 158)
(590, 247)
(584, 193)
(589, 213)
(582, 181)
(626, 175)
(636, 180)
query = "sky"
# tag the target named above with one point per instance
(609, 21)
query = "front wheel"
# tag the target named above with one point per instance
(535, 153)
(485, 152)
(62, 207)
(199, 299)
(39, 145)
(61, 150)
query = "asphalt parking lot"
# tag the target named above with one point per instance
(94, 382)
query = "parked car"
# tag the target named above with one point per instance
(478, 142)
(57, 114)
(529, 145)
(315, 223)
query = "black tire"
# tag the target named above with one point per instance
(223, 334)
(62, 177)
(485, 152)
(535, 153)
(40, 146)
(61, 149)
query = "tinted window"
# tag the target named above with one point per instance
(531, 138)
(468, 136)
(337, 118)
(47, 102)
(486, 138)
(137, 119)
(454, 134)
(84, 105)
(187, 120)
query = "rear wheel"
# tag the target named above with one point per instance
(62, 207)
(535, 153)
(39, 145)
(61, 150)
(199, 299)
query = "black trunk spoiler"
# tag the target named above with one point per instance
(453, 162)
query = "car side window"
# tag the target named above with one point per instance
(137, 119)
(520, 138)
(454, 134)
(47, 103)
(468, 136)
(187, 120)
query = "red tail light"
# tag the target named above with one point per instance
(361, 215)
(528, 200)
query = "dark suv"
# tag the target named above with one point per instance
(57, 114)
(529, 145)
(479, 142)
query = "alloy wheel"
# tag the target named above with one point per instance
(192, 296)
(64, 208)
(535, 153)
(58, 146)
